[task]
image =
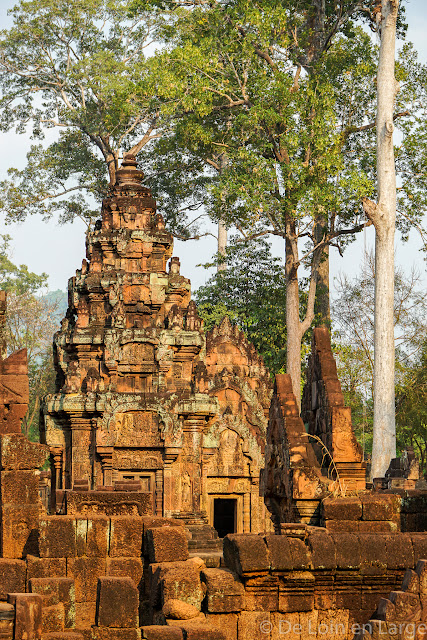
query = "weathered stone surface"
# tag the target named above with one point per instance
(380, 506)
(85, 573)
(179, 610)
(18, 453)
(322, 547)
(19, 528)
(110, 503)
(57, 537)
(97, 536)
(166, 544)
(125, 568)
(349, 508)
(225, 593)
(110, 633)
(46, 567)
(287, 553)
(63, 635)
(348, 552)
(117, 604)
(175, 581)
(12, 577)
(225, 622)
(53, 618)
(126, 536)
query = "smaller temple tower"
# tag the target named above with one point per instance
(144, 399)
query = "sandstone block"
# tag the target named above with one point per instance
(262, 593)
(225, 593)
(411, 581)
(378, 526)
(28, 615)
(342, 508)
(126, 568)
(400, 553)
(253, 624)
(19, 488)
(85, 614)
(46, 567)
(179, 610)
(161, 632)
(126, 536)
(12, 577)
(109, 633)
(407, 605)
(348, 554)
(322, 547)
(19, 531)
(181, 583)
(117, 603)
(226, 622)
(85, 573)
(53, 618)
(201, 632)
(63, 635)
(374, 554)
(246, 553)
(287, 553)
(98, 536)
(419, 545)
(57, 538)
(56, 591)
(342, 526)
(296, 592)
(380, 506)
(166, 544)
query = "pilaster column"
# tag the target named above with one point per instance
(56, 464)
(169, 457)
(106, 455)
(159, 493)
(246, 512)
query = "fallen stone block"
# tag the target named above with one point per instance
(225, 593)
(246, 554)
(166, 544)
(179, 610)
(117, 603)
(380, 506)
(348, 554)
(399, 551)
(18, 453)
(19, 488)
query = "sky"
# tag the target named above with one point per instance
(59, 249)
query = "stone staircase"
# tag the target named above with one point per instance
(205, 544)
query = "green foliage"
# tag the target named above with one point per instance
(17, 279)
(411, 407)
(79, 68)
(31, 320)
(252, 293)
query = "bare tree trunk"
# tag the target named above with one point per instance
(383, 216)
(222, 244)
(322, 306)
(222, 229)
(293, 324)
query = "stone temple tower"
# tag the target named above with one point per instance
(143, 397)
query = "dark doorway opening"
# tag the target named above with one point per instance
(225, 516)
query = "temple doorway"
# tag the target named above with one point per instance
(225, 512)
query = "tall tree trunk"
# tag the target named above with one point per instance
(293, 324)
(222, 244)
(383, 216)
(222, 229)
(322, 306)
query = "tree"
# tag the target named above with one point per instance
(252, 292)
(80, 68)
(32, 317)
(287, 125)
(383, 217)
